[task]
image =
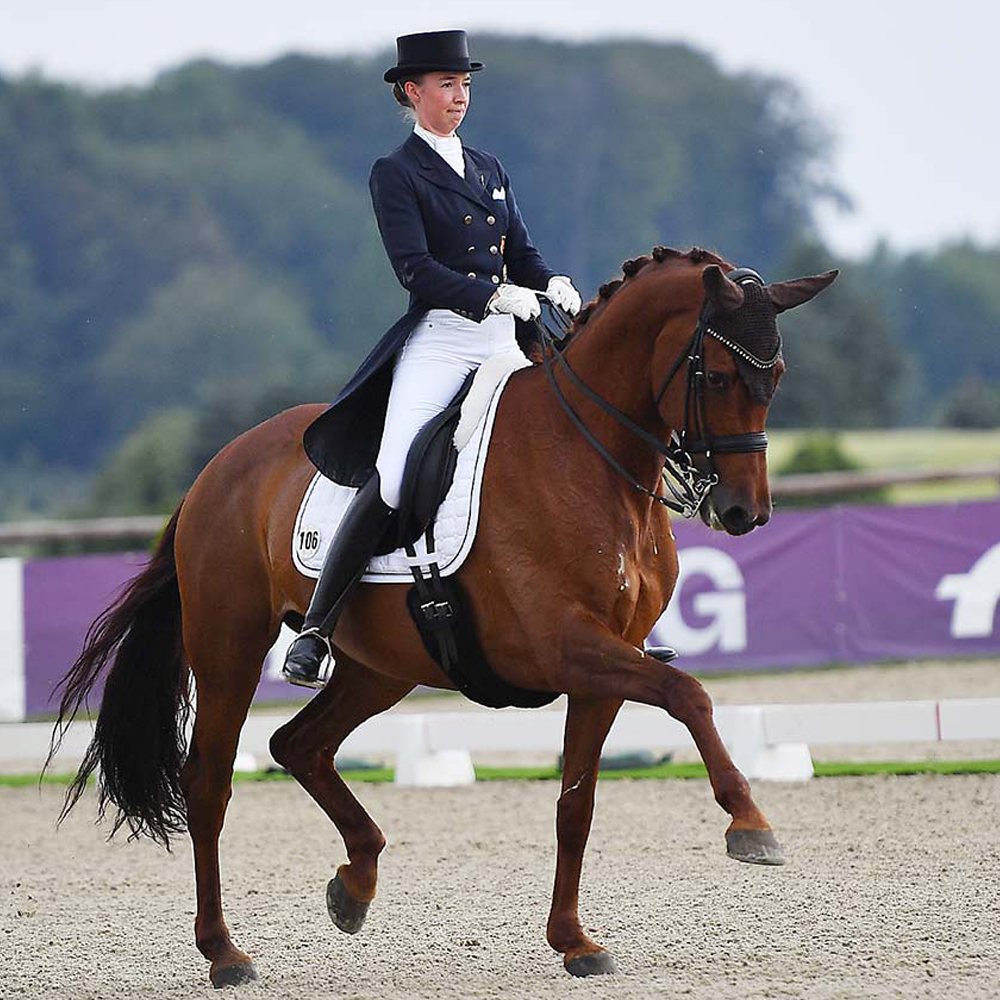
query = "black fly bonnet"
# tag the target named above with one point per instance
(751, 334)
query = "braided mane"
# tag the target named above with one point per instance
(696, 255)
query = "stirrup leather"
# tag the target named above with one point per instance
(326, 665)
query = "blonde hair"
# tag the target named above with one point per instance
(399, 93)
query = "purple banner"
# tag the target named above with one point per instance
(848, 584)
(61, 598)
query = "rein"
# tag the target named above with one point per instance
(687, 484)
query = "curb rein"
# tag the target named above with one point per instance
(688, 485)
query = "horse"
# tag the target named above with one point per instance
(573, 563)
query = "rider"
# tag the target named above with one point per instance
(457, 243)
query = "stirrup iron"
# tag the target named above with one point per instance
(326, 665)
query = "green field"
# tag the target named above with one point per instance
(823, 769)
(912, 448)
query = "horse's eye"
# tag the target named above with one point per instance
(717, 380)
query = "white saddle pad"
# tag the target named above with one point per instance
(325, 501)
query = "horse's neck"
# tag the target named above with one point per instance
(613, 356)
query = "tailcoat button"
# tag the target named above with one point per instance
(496, 279)
(471, 250)
(491, 219)
(468, 220)
(472, 274)
(493, 249)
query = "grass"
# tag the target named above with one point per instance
(823, 769)
(911, 448)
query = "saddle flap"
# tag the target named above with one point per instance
(429, 471)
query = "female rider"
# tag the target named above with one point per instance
(456, 240)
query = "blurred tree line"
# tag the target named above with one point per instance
(180, 261)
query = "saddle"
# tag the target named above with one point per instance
(438, 605)
(427, 475)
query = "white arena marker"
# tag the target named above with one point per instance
(12, 689)
(970, 719)
(245, 763)
(418, 764)
(862, 722)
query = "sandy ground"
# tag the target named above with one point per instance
(892, 892)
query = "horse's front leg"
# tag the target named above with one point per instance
(597, 664)
(587, 725)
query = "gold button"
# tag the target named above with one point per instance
(468, 220)
(496, 279)
(472, 274)
(493, 249)
(470, 250)
(491, 219)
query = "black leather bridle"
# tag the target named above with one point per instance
(687, 484)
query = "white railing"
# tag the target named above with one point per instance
(769, 742)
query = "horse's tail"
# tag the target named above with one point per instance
(139, 740)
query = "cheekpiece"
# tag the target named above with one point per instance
(428, 51)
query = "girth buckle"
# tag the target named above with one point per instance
(437, 611)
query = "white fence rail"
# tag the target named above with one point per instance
(769, 742)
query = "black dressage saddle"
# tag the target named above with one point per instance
(427, 475)
(438, 605)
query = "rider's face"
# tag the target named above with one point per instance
(441, 100)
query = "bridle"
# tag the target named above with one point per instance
(687, 484)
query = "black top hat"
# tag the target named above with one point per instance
(431, 50)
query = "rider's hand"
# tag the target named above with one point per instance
(516, 300)
(563, 294)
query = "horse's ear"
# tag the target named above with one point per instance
(789, 294)
(722, 292)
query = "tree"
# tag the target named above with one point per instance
(844, 365)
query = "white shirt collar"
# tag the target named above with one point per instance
(439, 143)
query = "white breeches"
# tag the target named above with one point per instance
(430, 368)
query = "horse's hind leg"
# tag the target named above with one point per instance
(306, 746)
(224, 667)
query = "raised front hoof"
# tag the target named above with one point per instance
(755, 847)
(237, 974)
(345, 911)
(596, 963)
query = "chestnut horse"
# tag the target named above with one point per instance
(571, 567)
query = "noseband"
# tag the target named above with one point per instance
(688, 485)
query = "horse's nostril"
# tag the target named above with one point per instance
(738, 520)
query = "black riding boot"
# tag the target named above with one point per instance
(354, 544)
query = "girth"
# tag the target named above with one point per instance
(438, 605)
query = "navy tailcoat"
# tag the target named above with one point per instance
(451, 241)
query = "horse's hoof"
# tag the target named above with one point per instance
(233, 975)
(345, 911)
(755, 847)
(596, 963)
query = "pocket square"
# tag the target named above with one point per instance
(499, 194)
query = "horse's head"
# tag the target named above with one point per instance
(715, 392)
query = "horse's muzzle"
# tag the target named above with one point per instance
(733, 516)
(738, 520)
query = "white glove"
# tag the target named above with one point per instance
(563, 294)
(516, 300)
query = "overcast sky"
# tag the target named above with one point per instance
(910, 89)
